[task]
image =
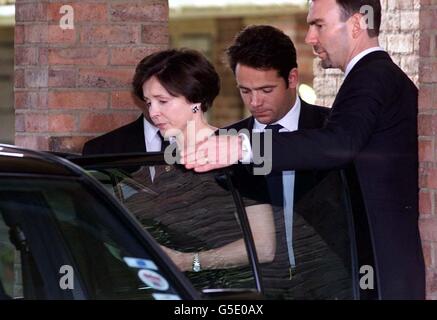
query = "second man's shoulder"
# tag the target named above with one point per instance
(315, 108)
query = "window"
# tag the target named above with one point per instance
(55, 223)
(188, 213)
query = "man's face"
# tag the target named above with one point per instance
(327, 34)
(265, 93)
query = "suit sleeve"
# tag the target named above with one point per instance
(91, 147)
(352, 121)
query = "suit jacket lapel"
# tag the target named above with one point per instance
(306, 121)
(137, 142)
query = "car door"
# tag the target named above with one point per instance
(330, 238)
(63, 237)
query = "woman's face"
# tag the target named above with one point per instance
(170, 114)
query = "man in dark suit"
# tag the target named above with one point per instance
(373, 124)
(264, 62)
(138, 136)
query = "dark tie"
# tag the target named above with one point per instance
(274, 127)
(164, 143)
(274, 180)
(160, 169)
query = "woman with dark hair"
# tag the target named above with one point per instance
(178, 87)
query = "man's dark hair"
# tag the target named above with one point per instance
(181, 72)
(263, 47)
(350, 7)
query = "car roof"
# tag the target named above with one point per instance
(17, 160)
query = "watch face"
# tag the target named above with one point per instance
(196, 263)
(196, 267)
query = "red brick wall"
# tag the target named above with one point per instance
(71, 85)
(427, 139)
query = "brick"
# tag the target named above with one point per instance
(428, 72)
(409, 64)
(36, 78)
(416, 44)
(426, 202)
(422, 176)
(57, 35)
(30, 100)
(432, 272)
(139, 11)
(31, 12)
(19, 123)
(155, 34)
(83, 12)
(427, 229)
(43, 56)
(110, 34)
(35, 142)
(35, 33)
(26, 55)
(431, 280)
(105, 78)
(100, 123)
(428, 19)
(426, 124)
(426, 150)
(132, 56)
(431, 174)
(433, 47)
(78, 56)
(404, 4)
(426, 97)
(78, 100)
(428, 253)
(19, 34)
(62, 123)
(391, 22)
(409, 20)
(35, 122)
(401, 43)
(19, 78)
(125, 100)
(425, 45)
(62, 78)
(70, 144)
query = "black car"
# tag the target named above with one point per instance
(70, 229)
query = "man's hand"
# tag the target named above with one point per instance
(214, 153)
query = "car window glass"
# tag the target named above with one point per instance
(321, 263)
(189, 213)
(46, 224)
(324, 247)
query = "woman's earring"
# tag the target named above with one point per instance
(195, 108)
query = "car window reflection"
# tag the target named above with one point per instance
(191, 212)
(46, 224)
(321, 247)
(187, 213)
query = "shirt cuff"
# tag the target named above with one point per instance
(247, 155)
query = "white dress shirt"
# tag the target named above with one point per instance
(151, 137)
(289, 123)
(153, 142)
(358, 57)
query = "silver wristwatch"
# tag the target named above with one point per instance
(196, 263)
